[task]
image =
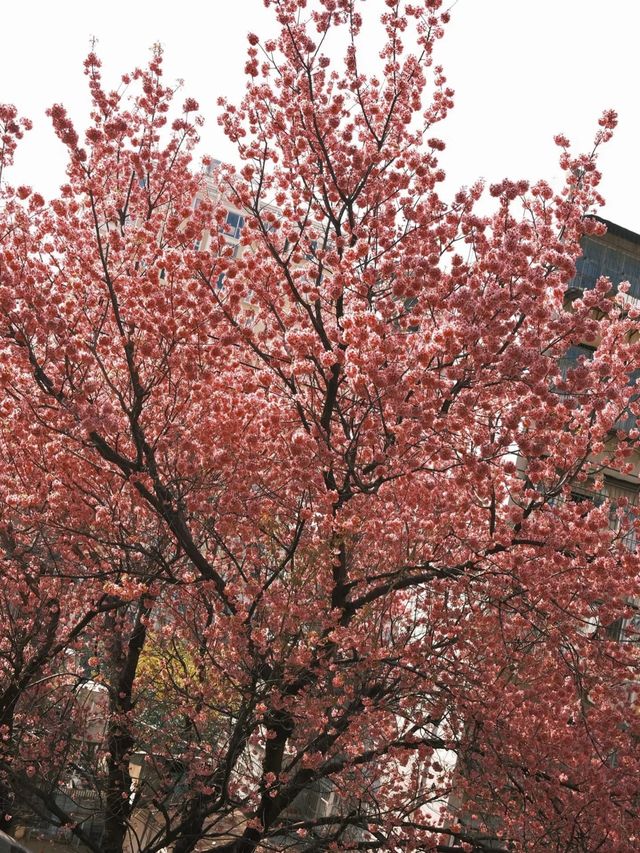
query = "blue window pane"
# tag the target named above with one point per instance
(234, 224)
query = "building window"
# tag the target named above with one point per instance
(621, 518)
(577, 356)
(233, 225)
(624, 521)
(202, 242)
(573, 358)
(310, 254)
(628, 420)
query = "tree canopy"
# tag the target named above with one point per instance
(291, 547)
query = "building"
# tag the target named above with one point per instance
(615, 255)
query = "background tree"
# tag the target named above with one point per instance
(320, 487)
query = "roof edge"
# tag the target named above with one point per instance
(617, 230)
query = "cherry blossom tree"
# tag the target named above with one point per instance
(300, 504)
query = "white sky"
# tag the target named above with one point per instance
(523, 70)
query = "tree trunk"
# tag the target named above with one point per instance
(119, 740)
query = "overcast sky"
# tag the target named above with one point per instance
(523, 70)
